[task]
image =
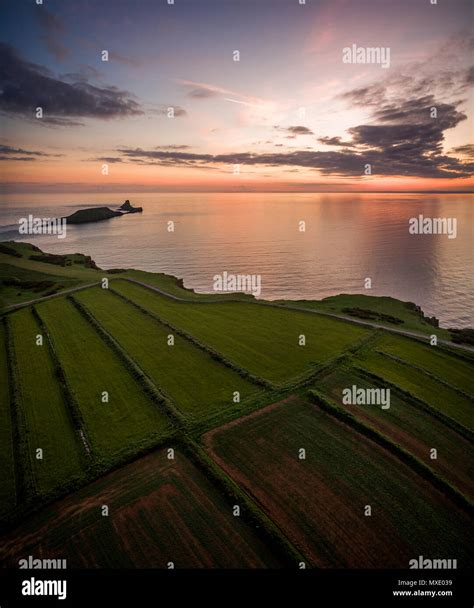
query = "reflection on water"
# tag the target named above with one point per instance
(348, 237)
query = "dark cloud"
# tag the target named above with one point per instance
(173, 147)
(19, 158)
(405, 138)
(408, 123)
(368, 96)
(25, 86)
(466, 150)
(203, 93)
(402, 160)
(106, 159)
(12, 153)
(6, 150)
(408, 140)
(334, 141)
(294, 131)
(53, 121)
(299, 130)
(418, 111)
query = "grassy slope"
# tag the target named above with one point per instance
(16, 294)
(382, 304)
(438, 395)
(48, 423)
(91, 367)
(197, 383)
(175, 287)
(7, 485)
(81, 276)
(159, 511)
(319, 502)
(410, 427)
(26, 269)
(261, 339)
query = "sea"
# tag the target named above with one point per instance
(301, 245)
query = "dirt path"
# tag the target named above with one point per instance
(53, 295)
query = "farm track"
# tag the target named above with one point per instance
(13, 307)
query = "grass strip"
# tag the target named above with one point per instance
(149, 387)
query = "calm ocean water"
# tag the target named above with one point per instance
(348, 237)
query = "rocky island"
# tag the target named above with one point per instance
(128, 208)
(98, 214)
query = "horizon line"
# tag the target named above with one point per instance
(117, 191)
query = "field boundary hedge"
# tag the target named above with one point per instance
(406, 457)
(25, 486)
(270, 533)
(214, 354)
(148, 386)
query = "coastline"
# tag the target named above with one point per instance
(376, 311)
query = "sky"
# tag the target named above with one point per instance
(236, 95)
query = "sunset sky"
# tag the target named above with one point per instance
(290, 115)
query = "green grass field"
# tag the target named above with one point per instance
(409, 426)
(449, 402)
(263, 340)
(319, 502)
(47, 420)
(439, 363)
(198, 384)
(129, 418)
(7, 485)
